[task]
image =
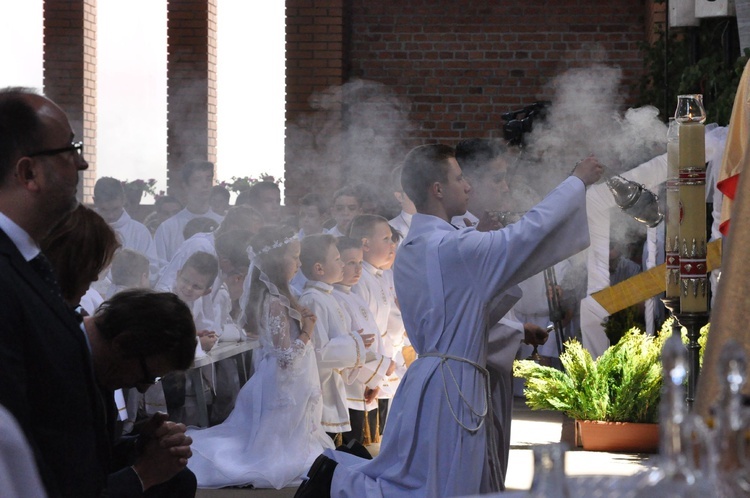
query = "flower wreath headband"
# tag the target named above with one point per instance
(278, 244)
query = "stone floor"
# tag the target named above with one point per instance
(529, 428)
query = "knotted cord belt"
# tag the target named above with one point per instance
(487, 412)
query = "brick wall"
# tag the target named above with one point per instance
(316, 41)
(451, 67)
(70, 73)
(656, 17)
(440, 70)
(462, 64)
(191, 86)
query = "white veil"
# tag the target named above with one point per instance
(256, 261)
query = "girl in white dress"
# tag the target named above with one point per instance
(274, 433)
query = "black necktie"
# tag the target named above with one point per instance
(43, 267)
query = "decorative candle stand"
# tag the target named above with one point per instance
(686, 281)
(672, 233)
(693, 322)
(693, 287)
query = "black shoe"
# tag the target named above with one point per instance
(319, 477)
(354, 447)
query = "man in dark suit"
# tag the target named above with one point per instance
(136, 336)
(46, 377)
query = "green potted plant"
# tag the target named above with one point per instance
(616, 393)
(615, 398)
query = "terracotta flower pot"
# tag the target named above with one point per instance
(618, 436)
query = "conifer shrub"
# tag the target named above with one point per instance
(622, 385)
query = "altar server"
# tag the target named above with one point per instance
(439, 441)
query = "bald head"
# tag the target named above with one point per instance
(39, 163)
(21, 127)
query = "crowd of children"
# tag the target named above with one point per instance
(316, 290)
(215, 258)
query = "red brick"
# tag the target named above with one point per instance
(439, 53)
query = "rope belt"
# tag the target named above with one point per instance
(495, 472)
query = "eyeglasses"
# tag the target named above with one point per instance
(73, 147)
(148, 378)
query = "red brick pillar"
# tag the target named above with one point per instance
(316, 48)
(191, 85)
(655, 18)
(70, 73)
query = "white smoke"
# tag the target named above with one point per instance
(362, 125)
(586, 117)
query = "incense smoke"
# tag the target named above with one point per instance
(362, 125)
(586, 117)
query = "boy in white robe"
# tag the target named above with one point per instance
(216, 311)
(194, 281)
(362, 391)
(346, 205)
(238, 218)
(376, 289)
(109, 202)
(165, 206)
(313, 212)
(219, 200)
(337, 346)
(265, 197)
(438, 441)
(130, 270)
(378, 250)
(198, 178)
